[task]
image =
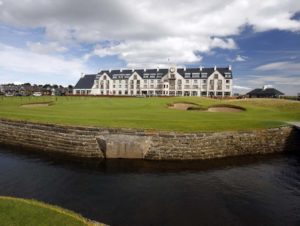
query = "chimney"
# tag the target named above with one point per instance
(201, 68)
(82, 75)
(184, 68)
(121, 70)
(132, 70)
(157, 69)
(215, 68)
(229, 68)
(109, 70)
(144, 69)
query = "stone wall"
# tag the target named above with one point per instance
(91, 142)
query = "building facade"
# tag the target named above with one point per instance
(172, 81)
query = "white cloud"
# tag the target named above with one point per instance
(25, 64)
(241, 87)
(177, 50)
(238, 58)
(281, 66)
(46, 48)
(150, 31)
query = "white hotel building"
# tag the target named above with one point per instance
(171, 81)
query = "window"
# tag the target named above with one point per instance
(203, 75)
(104, 78)
(179, 81)
(152, 81)
(227, 75)
(187, 81)
(227, 81)
(216, 76)
(227, 87)
(134, 77)
(219, 85)
(195, 75)
(211, 84)
(195, 81)
(204, 81)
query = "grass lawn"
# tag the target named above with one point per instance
(23, 212)
(151, 113)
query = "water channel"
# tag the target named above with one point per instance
(251, 190)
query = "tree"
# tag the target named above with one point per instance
(46, 86)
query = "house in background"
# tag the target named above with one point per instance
(265, 92)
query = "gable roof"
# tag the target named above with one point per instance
(187, 73)
(85, 82)
(145, 74)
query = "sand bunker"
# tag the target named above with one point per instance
(33, 105)
(214, 108)
(183, 106)
(224, 109)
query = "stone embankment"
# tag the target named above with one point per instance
(91, 142)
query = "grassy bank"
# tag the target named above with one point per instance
(151, 113)
(23, 212)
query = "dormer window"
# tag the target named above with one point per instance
(204, 75)
(227, 75)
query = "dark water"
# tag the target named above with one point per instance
(260, 190)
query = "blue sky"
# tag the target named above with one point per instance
(55, 41)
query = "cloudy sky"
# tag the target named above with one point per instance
(53, 41)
